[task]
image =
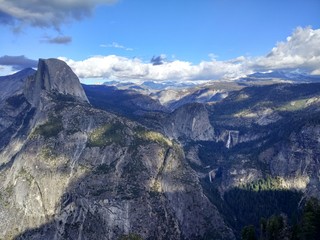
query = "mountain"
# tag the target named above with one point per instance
(11, 85)
(167, 85)
(70, 170)
(151, 86)
(172, 95)
(98, 162)
(56, 77)
(262, 135)
(285, 75)
(129, 103)
(256, 151)
(203, 93)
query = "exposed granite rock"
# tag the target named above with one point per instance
(190, 122)
(67, 184)
(81, 173)
(53, 75)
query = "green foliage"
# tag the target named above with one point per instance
(62, 101)
(107, 134)
(51, 128)
(309, 227)
(274, 227)
(63, 97)
(250, 204)
(248, 233)
(145, 135)
(295, 105)
(306, 228)
(5, 196)
(263, 184)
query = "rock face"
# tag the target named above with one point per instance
(15, 112)
(71, 171)
(126, 103)
(190, 122)
(53, 75)
(247, 149)
(259, 137)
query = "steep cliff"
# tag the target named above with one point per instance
(265, 152)
(255, 153)
(70, 171)
(190, 122)
(56, 76)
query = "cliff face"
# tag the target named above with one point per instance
(53, 75)
(71, 171)
(261, 138)
(190, 122)
(261, 132)
(101, 178)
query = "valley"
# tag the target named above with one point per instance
(153, 162)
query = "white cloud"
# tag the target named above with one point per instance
(300, 50)
(46, 13)
(121, 68)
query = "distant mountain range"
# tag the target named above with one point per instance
(173, 94)
(294, 76)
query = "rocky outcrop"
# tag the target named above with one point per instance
(56, 76)
(189, 122)
(297, 159)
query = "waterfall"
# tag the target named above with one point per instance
(229, 140)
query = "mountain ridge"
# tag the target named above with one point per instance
(110, 168)
(77, 165)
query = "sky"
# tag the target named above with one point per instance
(182, 40)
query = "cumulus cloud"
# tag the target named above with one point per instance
(46, 13)
(299, 51)
(57, 40)
(121, 68)
(116, 45)
(18, 62)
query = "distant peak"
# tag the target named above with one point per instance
(22, 74)
(26, 71)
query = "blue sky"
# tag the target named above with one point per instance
(183, 34)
